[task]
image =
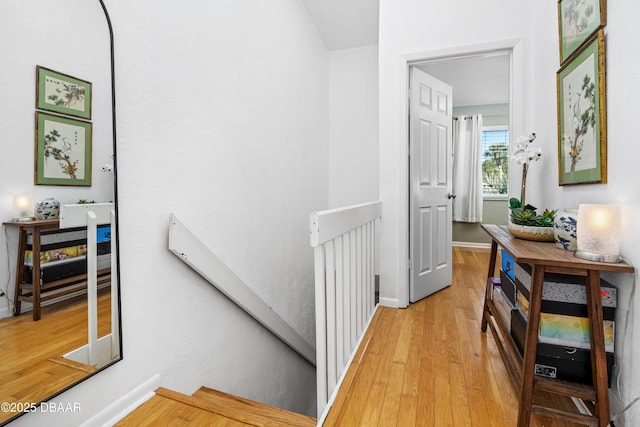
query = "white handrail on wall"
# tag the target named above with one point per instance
(98, 351)
(344, 251)
(191, 250)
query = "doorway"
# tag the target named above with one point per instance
(487, 81)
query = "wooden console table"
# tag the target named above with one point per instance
(545, 257)
(34, 290)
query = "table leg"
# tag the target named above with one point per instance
(35, 276)
(22, 246)
(531, 346)
(598, 356)
(490, 273)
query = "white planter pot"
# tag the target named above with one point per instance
(528, 232)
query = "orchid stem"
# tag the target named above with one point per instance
(524, 185)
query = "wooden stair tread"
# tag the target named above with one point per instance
(160, 410)
(210, 407)
(233, 401)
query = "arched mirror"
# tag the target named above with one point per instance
(59, 304)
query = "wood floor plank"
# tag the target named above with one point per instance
(477, 407)
(393, 395)
(404, 335)
(442, 393)
(426, 412)
(410, 383)
(407, 414)
(373, 406)
(351, 412)
(471, 360)
(460, 401)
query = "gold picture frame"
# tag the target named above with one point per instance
(578, 20)
(582, 117)
(62, 94)
(62, 151)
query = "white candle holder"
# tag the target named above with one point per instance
(599, 233)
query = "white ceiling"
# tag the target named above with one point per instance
(345, 24)
(481, 80)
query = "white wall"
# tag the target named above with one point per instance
(428, 30)
(36, 25)
(353, 154)
(222, 119)
(445, 26)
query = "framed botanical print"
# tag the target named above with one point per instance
(582, 117)
(577, 21)
(63, 151)
(63, 94)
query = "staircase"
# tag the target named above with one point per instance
(209, 407)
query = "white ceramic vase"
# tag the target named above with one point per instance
(47, 209)
(564, 229)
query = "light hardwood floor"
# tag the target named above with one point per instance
(32, 367)
(430, 365)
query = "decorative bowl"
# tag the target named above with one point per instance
(530, 232)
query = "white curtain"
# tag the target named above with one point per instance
(467, 168)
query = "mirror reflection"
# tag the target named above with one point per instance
(59, 310)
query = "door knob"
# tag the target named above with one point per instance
(451, 196)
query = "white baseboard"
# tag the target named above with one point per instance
(125, 405)
(472, 245)
(5, 312)
(389, 302)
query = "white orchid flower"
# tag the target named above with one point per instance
(523, 154)
(525, 139)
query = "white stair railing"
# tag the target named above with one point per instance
(192, 251)
(98, 351)
(344, 251)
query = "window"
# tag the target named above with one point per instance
(495, 161)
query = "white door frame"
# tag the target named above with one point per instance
(516, 119)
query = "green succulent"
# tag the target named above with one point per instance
(529, 216)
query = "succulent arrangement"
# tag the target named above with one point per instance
(527, 215)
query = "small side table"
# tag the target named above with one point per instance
(545, 257)
(24, 227)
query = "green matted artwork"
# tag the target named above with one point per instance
(63, 151)
(577, 21)
(582, 117)
(63, 94)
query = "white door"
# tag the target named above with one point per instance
(430, 169)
